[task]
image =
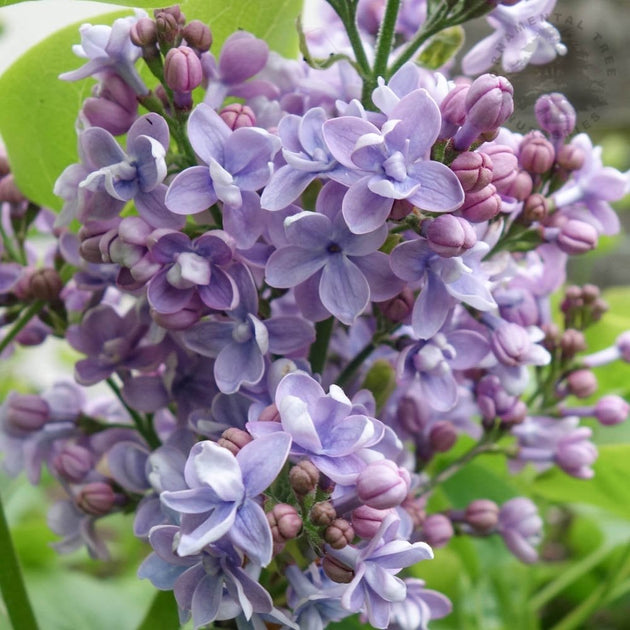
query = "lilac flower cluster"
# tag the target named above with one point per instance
(299, 302)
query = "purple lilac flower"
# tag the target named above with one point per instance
(447, 280)
(326, 428)
(204, 583)
(520, 527)
(221, 501)
(192, 267)
(522, 35)
(374, 588)
(394, 162)
(240, 341)
(421, 606)
(109, 49)
(346, 268)
(237, 163)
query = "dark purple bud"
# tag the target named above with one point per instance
(411, 415)
(521, 187)
(73, 462)
(572, 341)
(473, 169)
(96, 498)
(577, 237)
(449, 236)
(181, 320)
(536, 153)
(234, 439)
(339, 533)
(398, 308)
(611, 410)
(570, 158)
(322, 514)
(482, 515)
(555, 115)
(590, 293)
(437, 530)
(144, 33)
(304, 477)
(114, 106)
(45, 284)
(26, 413)
(366, 520)
(236, 116)
(582, 383)
(198, 35)
(182, 69)
(336, 570)
(481, 205)
(535, 209)
(284, 521)
(174, 11)
(9, 191)
(168, 26)
(382, 484)
(504, 166)
(442, 436)
(400, 209)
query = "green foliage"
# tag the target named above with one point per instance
(442, 47)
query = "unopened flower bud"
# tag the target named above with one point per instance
(482, 515)
(168, 26)
(453, 108)
(611, 410)
(182, 69)
(449, 236)
(144, 33)
(555, 115)
(234, 439)
(198, 35)
(590, 293)
(536, 153)
(582, 383)
(284, 521)
(336, 570)
(400, 209)
(322, 514)
(269, 414)
(181, 320)
(366, 520)
(437, 530)
(382, 484)
(237, 115)
(535, 209)
(398, 308)
(473, 169)
(504, 166)
(521, 187)
(442, 436)
(481, 205)
(339, 533)
(572, 342)
(26, 413)
(9, 191)
(577, 237)
(45, 284)
(114, 106)
(576, 454)
(570, 158)
(96, 498)
(73, 462)
(304, 477)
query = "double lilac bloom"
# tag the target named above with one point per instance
(343, 269)
(393, 162)
(223, 497)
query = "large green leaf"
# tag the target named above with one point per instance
(37, 111)
(609, 488)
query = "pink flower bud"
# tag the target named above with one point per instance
(481, 205)
(437, 530)
(582, 383)
(623, 345)
(182, 69)
(521, 187)
(269, 414)
(398, 308)
(536, 153)
(453, 106)
(555, 115)
(234, 439)
(96, 498)
(366, 520)
(323, 514)
(576, 453)
(144, 33)
(181, 320)
(114, 106)
(570, 158)
(572, 342)
(611, 410)
(504, 166)
(26, 413)
(382, 484)
(73, 462)
(198, 35)
(482, 515)
(304, 477)
(284, 521)
(442, 436)
(336, 570)
(535, 209)
(236, 116)
(449, 236)
(473, 169)
(577, 237)
(45, 284)
(339, 533)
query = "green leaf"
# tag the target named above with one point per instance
(608, 489)
(38, 111)
(441, 48)
(162, 615)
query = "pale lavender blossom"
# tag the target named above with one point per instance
(393, 162)
(222, 496)
(421, 606)
(520, 527)
(347, 269)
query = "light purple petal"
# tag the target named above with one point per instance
(284, 187)
(191, 191)
(207, 133)
(431, 308)
(238, 364)
(382, 281)
(440, 190)
(164, 297)
(409, 259)
(191, 501)
(440, 390)
(363, 210)
(222, 293)
(209, 338)
(292, 265)
(206, 600)
(470, 347)
(251, 533)
(101, 148)
(343, 289)
(308, 230)
(262, 460)
(247, 156)
(341, 136)
(152, 208)
(214, 466)
(212, 529)
(297, 421)
(152, 125)
(288, 334)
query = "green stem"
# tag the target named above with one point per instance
(385, 39)
(355, 364)
(319, 349)
(347, 12)
(12, 583)
(21, 322)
